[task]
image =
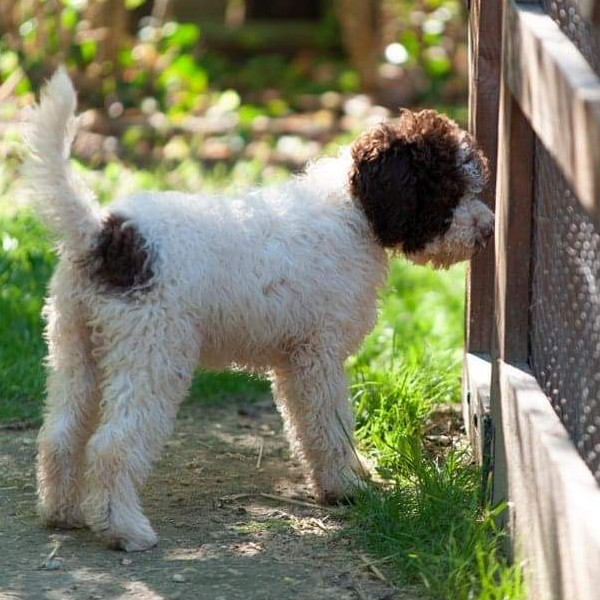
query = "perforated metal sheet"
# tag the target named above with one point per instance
(565, 311)
(587, 38)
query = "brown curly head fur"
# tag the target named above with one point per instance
(407, 176)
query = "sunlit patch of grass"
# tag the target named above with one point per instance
(431, 529)
(26, 262)
(420, 319)
(426, 521)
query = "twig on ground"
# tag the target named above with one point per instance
(205, 444)
(234, 497)
(52, 562)
(319, 524)
(260, 452)
(371, 566)
(378, 561)
(233, 456)
(296, 502)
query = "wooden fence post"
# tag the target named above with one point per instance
(513, 240)
(484, 78)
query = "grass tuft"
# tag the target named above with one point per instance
(426, 520)
(431, 526)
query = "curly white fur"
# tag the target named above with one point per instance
(281, 280)
(62, 200)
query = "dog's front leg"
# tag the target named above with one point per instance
(312, 396)
(147, 373)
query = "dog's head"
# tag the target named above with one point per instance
(418, 180)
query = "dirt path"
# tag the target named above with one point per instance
(219, 538)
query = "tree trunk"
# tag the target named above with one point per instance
(8, 22)
(110, 17)
(361, 23)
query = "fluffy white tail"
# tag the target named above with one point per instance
(63, 201)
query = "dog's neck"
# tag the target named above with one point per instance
(328, 176)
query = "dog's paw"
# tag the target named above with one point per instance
(119, 526)
(346, 494)
(341, 487)
(131, 542)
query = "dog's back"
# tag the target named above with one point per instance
(259, 270)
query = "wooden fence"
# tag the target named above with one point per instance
(532, 362)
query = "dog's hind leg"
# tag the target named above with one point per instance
(71, 404)
(312, 396)
(148, 366)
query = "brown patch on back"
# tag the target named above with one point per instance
(121, 260)
(407, 177)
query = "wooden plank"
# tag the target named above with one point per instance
(513, 230)
(477, 376)
(513, 236)
(560, 95)
(484, 81)
(554, 498)
(514, 191)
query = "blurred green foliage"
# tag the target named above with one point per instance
(174, 64)
(433, 33)
(159, 62)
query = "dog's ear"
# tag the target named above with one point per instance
(407, 177)
(383, 181)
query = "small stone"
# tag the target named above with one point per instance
(178, 578)
(126, 562)
(53, 563)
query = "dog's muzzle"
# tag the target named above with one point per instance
(484, 233)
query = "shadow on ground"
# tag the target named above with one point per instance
(219, 538)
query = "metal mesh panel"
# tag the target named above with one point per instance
(565, 311)
(587, 38)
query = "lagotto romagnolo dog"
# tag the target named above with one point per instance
(281, 280)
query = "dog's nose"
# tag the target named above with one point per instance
(484, 233)
(486, 230)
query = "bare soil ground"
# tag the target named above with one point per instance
(220, 539)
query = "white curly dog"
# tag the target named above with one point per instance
(281, 280)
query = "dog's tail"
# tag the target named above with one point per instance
(63, 201)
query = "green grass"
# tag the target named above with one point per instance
(426, 522)
(26, 262)
(430, 529)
